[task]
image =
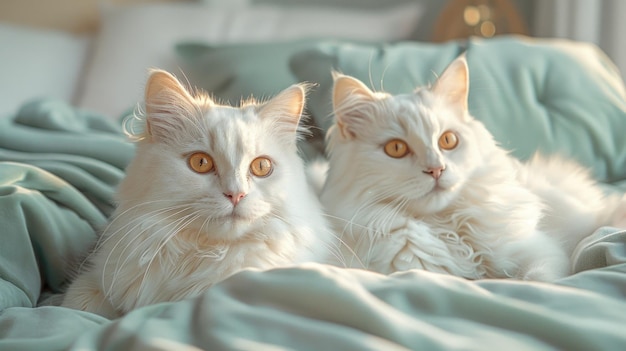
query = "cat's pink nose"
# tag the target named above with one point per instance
(235, 197)
(435, 172)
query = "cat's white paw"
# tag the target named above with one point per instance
(407, 259)
(398, 250)
(417, 229)
(420, 248)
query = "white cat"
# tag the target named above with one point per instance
(415, 182)
(212, 189)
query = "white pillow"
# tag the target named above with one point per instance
(133, 39)
(38, 63)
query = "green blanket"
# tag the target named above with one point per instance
(57, 175)
(58, 172)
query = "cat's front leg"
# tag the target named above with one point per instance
(86, 295)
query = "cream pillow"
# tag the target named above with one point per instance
(38, 63)
(134, 38)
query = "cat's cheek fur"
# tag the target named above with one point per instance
(157, 171)
(434, 201)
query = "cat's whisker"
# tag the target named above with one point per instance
(377, 201)
(382, 77)
(369, 70)
(345, 220)
(388, 214)
(141, 221)
(179, 224)
(172, 212)
(338, 253)
(349, 228)
(334, 250)
(378, 228)
(137, 222)
(343, 243)
(103, 239)
(201, 230)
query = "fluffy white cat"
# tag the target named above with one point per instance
(415, 182)
(212, 189)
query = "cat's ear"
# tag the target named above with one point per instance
(167, 103)
(351, 99)
(453, 84)
(286, 108)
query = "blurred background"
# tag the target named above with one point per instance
(597, 21)
(90, 27)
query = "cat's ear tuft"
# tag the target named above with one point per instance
(163, 88)
(349, 88)
(167, 102)
(453, 84)
(351, 100)
(286, 108)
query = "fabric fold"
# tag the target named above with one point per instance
(59, 167)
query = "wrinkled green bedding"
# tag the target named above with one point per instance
(316, 307)
(54, 196)
(58, 170)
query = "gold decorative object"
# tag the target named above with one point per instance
(484, 18)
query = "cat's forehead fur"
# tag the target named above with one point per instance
(175, 116)
(418, 114)
(232, 136)
(235, 130)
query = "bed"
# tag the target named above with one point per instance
(62, 153)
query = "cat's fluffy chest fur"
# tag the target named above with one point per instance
(211, 190)
(415, 182)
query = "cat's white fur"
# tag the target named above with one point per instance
(176, 232)
(486, 216)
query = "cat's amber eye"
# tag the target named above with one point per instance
(448, 140)
(396, 148)
(261, 167)
(200, 162)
